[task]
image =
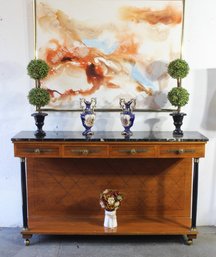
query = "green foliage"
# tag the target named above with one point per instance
(38, 97)
(178, 96)
(178, 69)
(38, 69)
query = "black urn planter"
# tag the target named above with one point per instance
(39, 122)
(178, 121)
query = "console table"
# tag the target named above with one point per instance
(64, 173)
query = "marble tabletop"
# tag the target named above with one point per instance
(143, 136)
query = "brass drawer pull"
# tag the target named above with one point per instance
(84, 151)
(181, 151)
(133, 151)
(37, 150)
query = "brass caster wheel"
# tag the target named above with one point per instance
(27, 242)
(189, 241)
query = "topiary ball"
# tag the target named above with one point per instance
(178, 69)
(38, 69)
(178, 96)
(38, 97)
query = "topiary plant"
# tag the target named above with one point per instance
(38, 97)
(38, 69)
(178, 97)
(178, 69)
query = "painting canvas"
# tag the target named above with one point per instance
(108, 49)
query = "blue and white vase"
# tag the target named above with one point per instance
(88, 115)
(127, 116)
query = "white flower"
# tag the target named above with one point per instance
(119, 197)
(117, 204)
(111, 200)
(102, 204)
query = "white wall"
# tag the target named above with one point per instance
(16, 49)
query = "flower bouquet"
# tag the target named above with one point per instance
(110, 200)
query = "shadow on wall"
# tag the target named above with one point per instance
(152, 123)
(209, 119)
(213, 195)
(209, 124)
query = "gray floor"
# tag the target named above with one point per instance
(11, 245)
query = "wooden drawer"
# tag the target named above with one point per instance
(132, 151)
(85, 151)
(182, 151)
(37, 150)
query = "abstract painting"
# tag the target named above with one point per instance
(108, 49)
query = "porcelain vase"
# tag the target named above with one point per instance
(88, 115)
(110, 219)
(127, 116)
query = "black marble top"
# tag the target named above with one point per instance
(142, 136)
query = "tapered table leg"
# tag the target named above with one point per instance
(24, 194)
(195, 192)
